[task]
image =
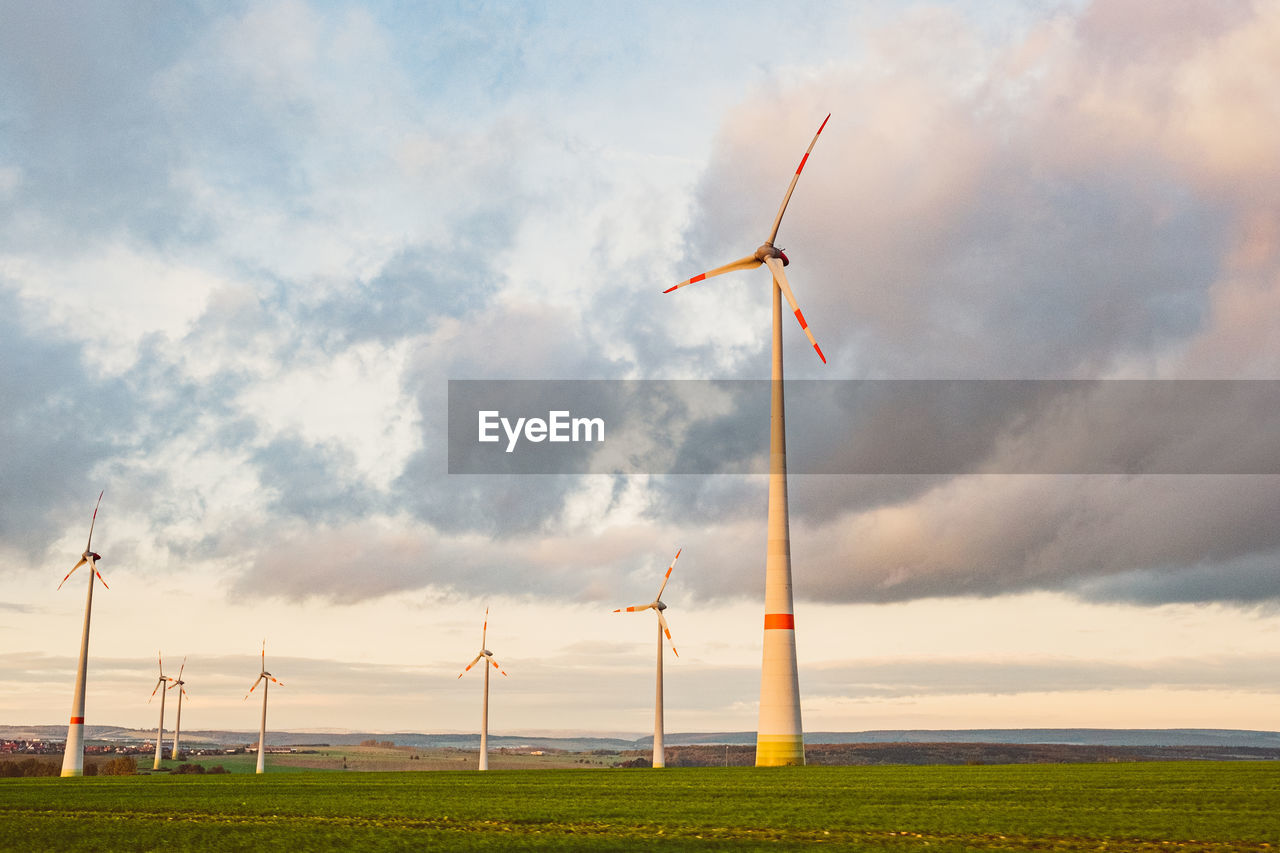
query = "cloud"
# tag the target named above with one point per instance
(1074, 195)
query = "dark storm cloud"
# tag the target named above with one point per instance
(1250, 579)
(59, 423)
(989, 535)
(80, 118)
(311, 481)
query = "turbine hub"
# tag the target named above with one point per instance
(768, 250)
(659, 606)
(486, 653)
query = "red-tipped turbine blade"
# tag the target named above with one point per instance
(495, 666)
(484, 631)
(99, 575)
(275, 680)
(153, 691)
(635, 609)
(777, 222)
(775, 266)
(72, 572)
(473, 663)
(748, 263)
(181, 668)
(94, 521)
(254, 687)
(663, 622)
(667, 577)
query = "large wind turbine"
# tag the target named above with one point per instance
(779, 735)
(484, 714)
(263, 677)
(182, 691)
(659, 758)
(161, 682)
(73, 757)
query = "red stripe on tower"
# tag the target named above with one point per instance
(785, 621)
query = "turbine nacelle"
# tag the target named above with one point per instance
(768, 250)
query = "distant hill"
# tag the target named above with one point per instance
(1216, 738)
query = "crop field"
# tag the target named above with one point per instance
(1114, 807)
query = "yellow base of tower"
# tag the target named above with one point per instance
(779, 750)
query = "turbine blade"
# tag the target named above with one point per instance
(99, 574)
(73, 571)
(794, 178)
(484, 632)
(663, 622)
(160, 660)
(667, 577)
(495, 666)
(635, 609)
(473, 663)
(185, 693)
(748, 263)
(254, 687)
(780, 277)
(181, 668)
(275, 680)
(153, 691)
(94, 521)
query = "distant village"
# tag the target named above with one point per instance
(39, 746)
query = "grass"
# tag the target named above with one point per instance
(378, 758)
(1139, 807)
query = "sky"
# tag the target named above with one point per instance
(245, 247)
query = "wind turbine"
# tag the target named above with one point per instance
(779, 734)
(73, 756)
(484, 714)
(161, 681)
(263, 677)
(659, 758)
(182, 691)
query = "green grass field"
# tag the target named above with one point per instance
(1114, 807)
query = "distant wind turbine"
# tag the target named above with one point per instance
(263, 677)
(177, 724)
(73, 756)
(779, 735)
(161, 682)
(659, 757)
(484, 713)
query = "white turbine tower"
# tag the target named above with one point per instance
(659, 758)
(263, 677)
(484, 713)
(779, 735)
(177, 724)
(160, 682)
(73, 756)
